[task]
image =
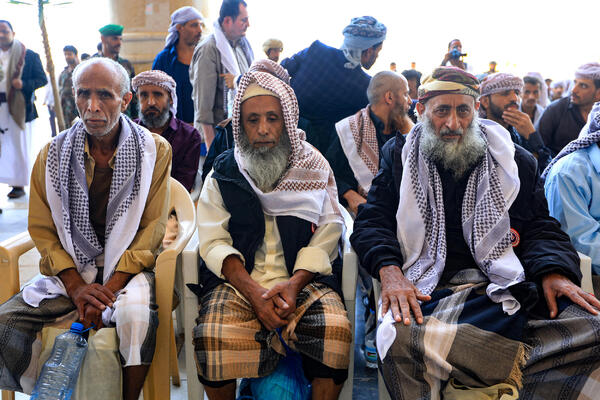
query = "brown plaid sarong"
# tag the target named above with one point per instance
(135, 316)
(230, 342)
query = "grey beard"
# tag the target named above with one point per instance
(457, 157)
(265, 165)
(154, 122)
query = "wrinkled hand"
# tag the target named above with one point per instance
(521, 122)
(266, 310)
(17, 83)
(92, 315)
(228, 80)
(94, 294)
(556, 285)
(400, 295)
(354, 200)
(284, 296)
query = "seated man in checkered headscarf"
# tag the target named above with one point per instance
(269, 224)
(478, 283)
(97, 213)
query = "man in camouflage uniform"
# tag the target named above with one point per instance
(65, 85)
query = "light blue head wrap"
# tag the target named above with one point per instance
(361, 34)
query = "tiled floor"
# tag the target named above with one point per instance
(13, 220)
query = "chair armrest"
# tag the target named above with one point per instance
(585, 265)
(10, 251)
(350, 260)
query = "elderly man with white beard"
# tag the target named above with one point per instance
(97, 213)
(478, 283)
(269, 224)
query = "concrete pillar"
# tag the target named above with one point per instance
(146, 23)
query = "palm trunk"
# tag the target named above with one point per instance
(50, 68)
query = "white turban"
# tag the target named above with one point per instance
(588, 71)
(181, 16)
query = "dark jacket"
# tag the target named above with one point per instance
(327, 91)
(543, 247)
(33, 78)
(247, 227)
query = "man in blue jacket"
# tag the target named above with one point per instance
(21, 73)
(330, 83)
(185, 32)
(457, 229)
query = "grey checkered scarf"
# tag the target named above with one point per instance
(590, 134)
(67, 196)
(491, 189)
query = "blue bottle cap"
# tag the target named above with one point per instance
(77, 327)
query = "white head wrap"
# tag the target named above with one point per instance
(181, 16)
(543, 99)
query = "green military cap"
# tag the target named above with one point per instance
(111, 30)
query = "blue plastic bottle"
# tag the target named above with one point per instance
(59, 374)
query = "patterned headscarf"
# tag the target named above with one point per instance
(590, 134)
(588, 71)
(160, 79)
(500, 82)
(448, 80)
(273, 68)
(180, 17)
(361, 34)
(307, 189)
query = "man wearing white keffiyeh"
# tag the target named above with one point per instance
(354, 151)
(270, 225)
(218, 62)
(97, 215)
(457, 230)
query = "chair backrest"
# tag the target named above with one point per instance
(182, 203)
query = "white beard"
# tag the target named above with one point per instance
(265, 165)
(456, 156)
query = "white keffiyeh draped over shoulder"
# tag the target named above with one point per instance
(307, 189)
(358, 138)
(491, 189)
(67, 196)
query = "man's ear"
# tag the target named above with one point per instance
(420, 108)
(389, 97)
(484, 101)
(126, 100)
(597, 95)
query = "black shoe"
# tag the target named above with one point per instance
(16, 192)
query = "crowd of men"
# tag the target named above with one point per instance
(470, 198)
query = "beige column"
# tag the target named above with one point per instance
(145, 26)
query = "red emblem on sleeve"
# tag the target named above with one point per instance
(515, 239)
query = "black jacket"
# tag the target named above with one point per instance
(543, 246)
(247, 227)
(33, 78)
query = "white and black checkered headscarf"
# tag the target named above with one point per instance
(589, 135)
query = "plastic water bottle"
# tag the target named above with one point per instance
(370, 349)
(59, 374)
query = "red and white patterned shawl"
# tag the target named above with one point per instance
(307, 189)
(358, 138)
